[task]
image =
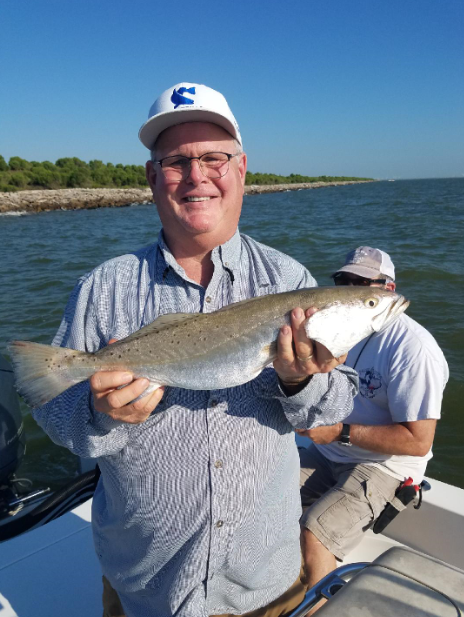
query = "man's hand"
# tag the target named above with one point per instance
(322, 435)
(116, 401)
(297, 356)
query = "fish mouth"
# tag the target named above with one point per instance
(394, 310)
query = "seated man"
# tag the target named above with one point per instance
(351, 470)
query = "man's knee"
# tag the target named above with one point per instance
(312, 549)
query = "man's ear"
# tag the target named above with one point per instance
(391, 286)
(242, 167)
(150, 174)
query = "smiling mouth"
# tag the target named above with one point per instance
(191, 199)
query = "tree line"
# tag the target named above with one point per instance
(260, 178)
(19, 175)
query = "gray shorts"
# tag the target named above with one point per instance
(341, 501)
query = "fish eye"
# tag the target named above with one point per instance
(371, 302)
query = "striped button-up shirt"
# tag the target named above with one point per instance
(197, 508)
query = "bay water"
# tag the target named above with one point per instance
(420, 223)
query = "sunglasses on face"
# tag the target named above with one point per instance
(342, 279)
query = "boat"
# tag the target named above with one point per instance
(415, 567)
(18, 498)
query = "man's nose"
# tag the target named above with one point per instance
(195, 174)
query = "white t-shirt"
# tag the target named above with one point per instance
(402, 375)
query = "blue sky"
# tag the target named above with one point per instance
(338, 87)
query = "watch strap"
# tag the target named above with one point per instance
(345, 436)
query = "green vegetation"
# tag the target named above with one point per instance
(295, 179)
(19, 175)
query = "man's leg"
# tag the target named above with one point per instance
(112, 606)
(335, 523)
(317, 559)
(316, 479)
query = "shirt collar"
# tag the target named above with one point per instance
(228, 254)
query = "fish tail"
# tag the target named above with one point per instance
(42, 371)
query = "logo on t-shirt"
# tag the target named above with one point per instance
(369, 382)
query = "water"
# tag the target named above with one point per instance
(419, 222)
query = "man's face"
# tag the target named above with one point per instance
(347, 278)
(198, 204)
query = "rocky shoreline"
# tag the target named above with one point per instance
(27, 202)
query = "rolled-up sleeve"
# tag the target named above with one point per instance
(325, 400)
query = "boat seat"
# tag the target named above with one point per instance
(400, 582)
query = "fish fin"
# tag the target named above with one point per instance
(171, 318)
(233, 305)
(163, 321)
(38, 369)
(153, 385)
(270, 351)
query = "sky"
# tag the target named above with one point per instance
(369, 88)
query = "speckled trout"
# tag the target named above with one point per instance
(206, 351)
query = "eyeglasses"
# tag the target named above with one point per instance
(342, 279)
(212, 165)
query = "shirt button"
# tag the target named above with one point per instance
(208, 299)
(219, 524)
(218, 464)
(213, 402)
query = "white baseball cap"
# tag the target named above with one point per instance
(186, 102)
(368, 262)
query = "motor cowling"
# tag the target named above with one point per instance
(12, 434)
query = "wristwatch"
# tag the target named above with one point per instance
(345, 436)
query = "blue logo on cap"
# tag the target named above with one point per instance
(178, 99)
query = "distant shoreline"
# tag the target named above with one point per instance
(28, 202)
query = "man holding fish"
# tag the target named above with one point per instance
(191, 418)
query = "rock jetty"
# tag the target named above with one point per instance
(27, 202)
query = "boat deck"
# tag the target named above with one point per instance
(53, 571)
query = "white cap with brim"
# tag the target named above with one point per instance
(368, 262)
(187, 102)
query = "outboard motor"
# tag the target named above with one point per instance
(12, 435)
(15, 493)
